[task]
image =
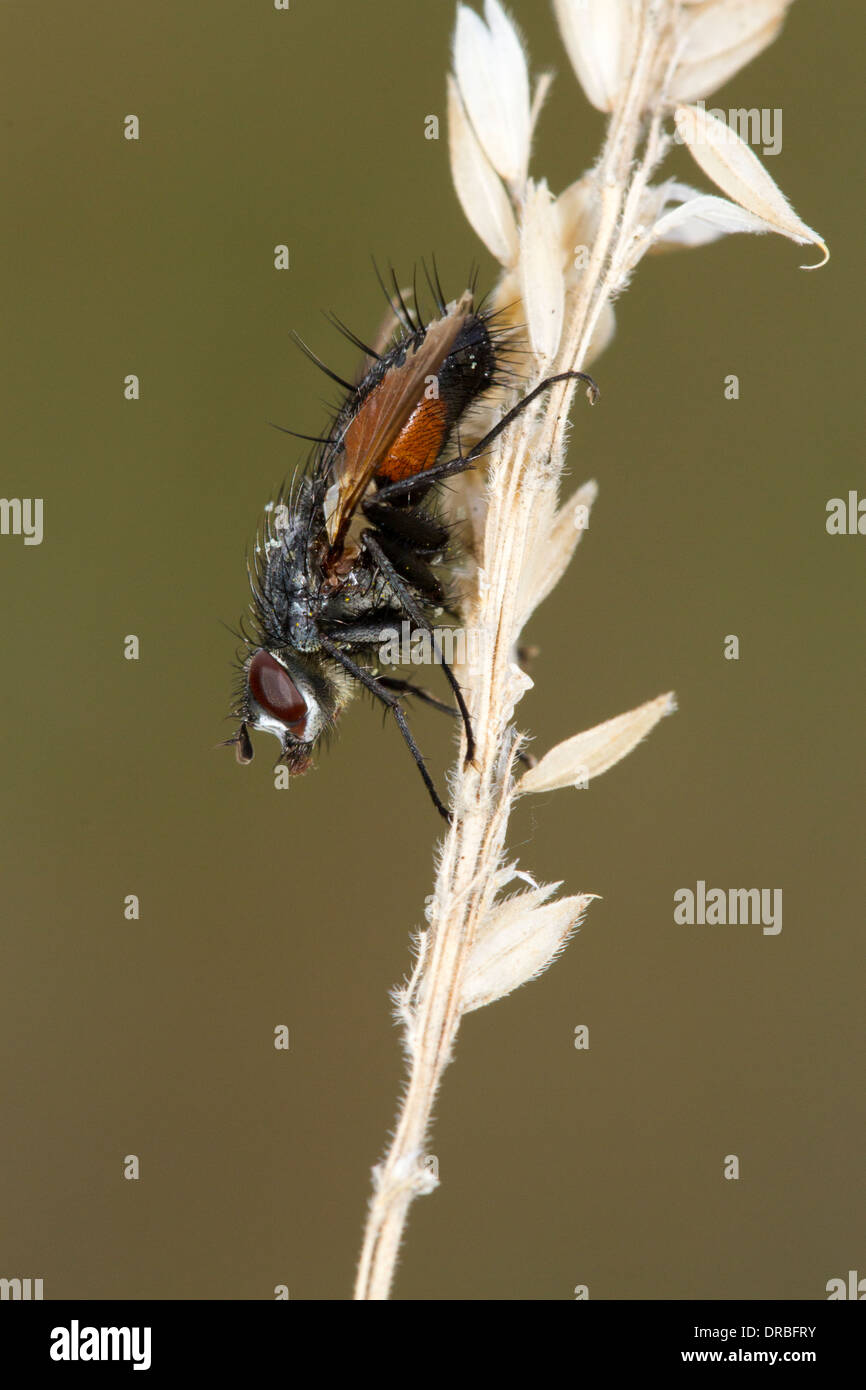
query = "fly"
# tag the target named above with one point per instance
(354, 548)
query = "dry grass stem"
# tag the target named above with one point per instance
(564, 261)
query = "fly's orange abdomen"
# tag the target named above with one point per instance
(418, 444)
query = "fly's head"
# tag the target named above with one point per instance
(284, 696)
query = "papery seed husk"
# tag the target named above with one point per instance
(589, 754)
(517, 943)
(738, 172)
(479, 188)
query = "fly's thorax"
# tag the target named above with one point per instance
(301, 629)
(282, 589)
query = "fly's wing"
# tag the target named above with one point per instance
(373, 430)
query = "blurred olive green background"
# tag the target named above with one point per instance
(154, 1037)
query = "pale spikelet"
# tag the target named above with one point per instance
(542, 282)
(518, 942)
(718, 39)
(585, 756)
(599, 36)
(578, 209)
(549, 561)
(478, 186)
(702, 219)
(564, 261)
(737, 171)
(490, 67)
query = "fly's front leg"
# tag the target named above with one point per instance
(390, 700)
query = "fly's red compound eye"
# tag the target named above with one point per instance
(273, 689)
